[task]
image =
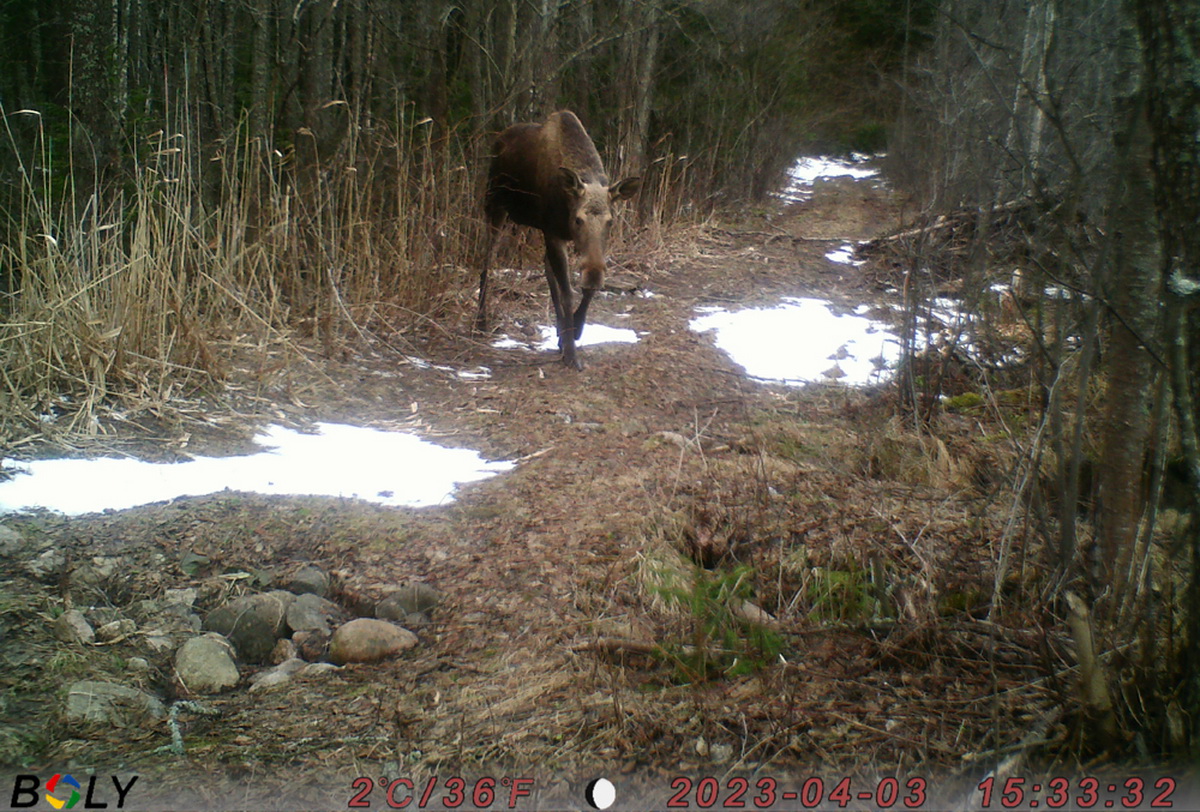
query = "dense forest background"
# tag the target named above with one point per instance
(174, 173)
(322, 162)
(736, 86)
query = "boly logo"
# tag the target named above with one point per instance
(62, 791)
(52, 785)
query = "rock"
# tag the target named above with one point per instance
(138, 665)
(270, 607)
(389, 609)
(192, 563)
(356, 602)
(179, 597)
(416, 620)
(158, 641)
(284, 650)
(204, 665)
(253, 638)
(12, 543)
(277, 675)
(116, 630)
(408, 599)
(310, 580)
(72, 627)
(99, 615)
(98, 571)
(286, 599)
(212, 591)
(175, 610)
(319, 669)
(146, 607)
(367, 640)
(313, 612)
(252, 623)
(93, 702)
(312, 644)
(177, 616)
(168, 628)
(262, 578)
(46, 566)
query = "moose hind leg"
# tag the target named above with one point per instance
(481, 317)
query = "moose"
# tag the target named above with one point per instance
(549, 177)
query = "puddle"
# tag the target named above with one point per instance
(385, 467)
(808, 170)
(804, 341)
(592, 334)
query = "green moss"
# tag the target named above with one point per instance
(965, 402)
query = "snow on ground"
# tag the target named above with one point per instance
(390, 468)
(802, 340)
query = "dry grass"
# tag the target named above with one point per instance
(125, 296)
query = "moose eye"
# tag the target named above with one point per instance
(579, 221)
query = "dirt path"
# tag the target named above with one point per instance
(561, 576)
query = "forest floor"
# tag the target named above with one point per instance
(576, 637)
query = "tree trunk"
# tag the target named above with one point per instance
(92, 92)
(1170, 33)
(1132, 280)
(639, 58)
(262, 67)
(315, 34)
(1028, 118)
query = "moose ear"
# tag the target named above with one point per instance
(571, 181)
(626, 188)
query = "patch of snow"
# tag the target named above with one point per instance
(474, 374)
(809, 169)
(803, 341)
(844, 255)
(948, 311)
(592, 334)
(388, 468)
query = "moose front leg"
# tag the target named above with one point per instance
(580, 318)
(560, 292)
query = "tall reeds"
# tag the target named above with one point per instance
(123, 292)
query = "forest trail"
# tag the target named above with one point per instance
(560, 577)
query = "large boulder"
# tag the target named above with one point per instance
(106, 703)
(205, 665)
(367, 640)
(252, 623)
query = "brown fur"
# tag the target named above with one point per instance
(549, 176)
